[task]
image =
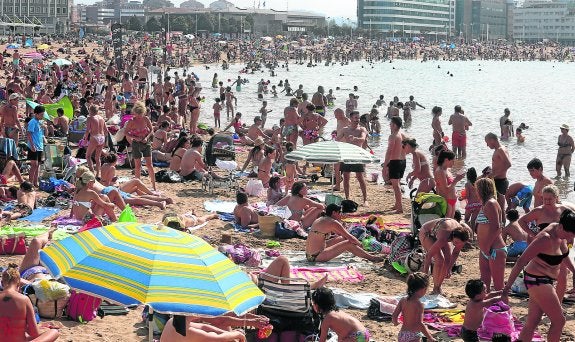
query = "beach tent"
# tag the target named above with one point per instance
(172, 271)
(51, 108)
(29, 42)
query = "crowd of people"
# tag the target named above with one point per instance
(156, 115)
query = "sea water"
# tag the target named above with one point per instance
(537, 93)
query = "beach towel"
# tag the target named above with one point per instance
(226, 217)
(40, 214)
(358, 300)
(67, 220)
(220, 206)
(160, 164)
(32, 231)
(334, 274)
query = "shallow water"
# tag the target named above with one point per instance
(537, 93)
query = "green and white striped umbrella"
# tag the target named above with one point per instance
(331, 152)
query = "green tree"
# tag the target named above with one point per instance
(153, 25)
(179, 23)
(134, 24)
(207, 22)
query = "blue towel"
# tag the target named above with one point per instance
(39, 214)
(226, 217)
(161, 164)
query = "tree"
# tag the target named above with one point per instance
(134, 24)
(179, 23)
(153, 25)
(207, 22)
(155, 4)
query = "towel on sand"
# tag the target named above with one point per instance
(33, 231)
(40, 214)
(220, 206)
(334, 274)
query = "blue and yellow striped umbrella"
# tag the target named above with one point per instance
(133, 263)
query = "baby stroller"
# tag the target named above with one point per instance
(220, 153)
(425, 206)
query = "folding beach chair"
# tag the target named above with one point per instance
(288, 304)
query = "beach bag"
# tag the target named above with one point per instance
(168, 176)
(284, 230)
(414, 260)
(497, 319)
(400, 248)
(127, 215)
(82, 307)
(46, 308)
(13, 244)
(348, 206)
(518, 285)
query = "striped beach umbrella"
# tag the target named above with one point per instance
(172, 271)
(33, 55)
(332, 152)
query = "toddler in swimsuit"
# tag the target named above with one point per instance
(347, 327)
(478, 299)
(412, 310)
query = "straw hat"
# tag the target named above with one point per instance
(564, 126)
(259, 141)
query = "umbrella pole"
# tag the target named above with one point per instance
(150, 324)
(332, 177)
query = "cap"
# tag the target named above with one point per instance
(259, 141)
(257, 118)
(564, 126)
(14, 96)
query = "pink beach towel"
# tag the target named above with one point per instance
(334, 274)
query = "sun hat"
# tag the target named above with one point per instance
(259, 141)
(14, 96)
(564, 126)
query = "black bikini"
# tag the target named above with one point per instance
(552, 260)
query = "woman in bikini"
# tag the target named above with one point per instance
(328, 238)
(139, 130)
(265, 167)
(541, 263)
(493, 250)
(194, 108)
(436, 126)
(87, 202)
(160, 137)
(182, 146)
(17, 317)
(436, 237)
(445, 182)
(96, 132)
(421, 170)
(255, 156)
(541, 217)
(566, 148)
(303, 209)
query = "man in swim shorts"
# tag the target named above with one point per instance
(292, 118)
(357, 135)
(500, 164)
(519, 195)
(394, 164)
(460, 125)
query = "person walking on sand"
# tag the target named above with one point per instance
(96, 133)
(292, 119)
(500, 164)
(395, 164)
(357, 135)
(566, 148)
(460, 125)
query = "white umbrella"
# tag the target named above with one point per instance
(332, 152)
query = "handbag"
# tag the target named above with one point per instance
(13, 244)
(46, 309)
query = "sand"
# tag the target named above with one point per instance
(188, 197)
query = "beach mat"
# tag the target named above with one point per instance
(32, 231)
(220, 206)
(40, 214)
(334, 274)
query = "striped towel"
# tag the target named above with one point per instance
(334, 274)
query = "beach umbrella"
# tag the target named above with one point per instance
(33, 55)
(279, 36)
(13, 46)
(42, 47)
(61, 62)
(332, 152)
(267, 39)
(172, 271)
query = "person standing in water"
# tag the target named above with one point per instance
(566, 148)
(460, 125)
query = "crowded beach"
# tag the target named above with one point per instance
(95, 154)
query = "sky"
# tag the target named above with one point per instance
(331, 8)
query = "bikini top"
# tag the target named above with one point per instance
(552, 260)
(543, 225)
(481, 218)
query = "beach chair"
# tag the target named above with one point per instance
(288, 304)
(220, 155)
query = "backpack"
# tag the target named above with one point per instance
(82, 307)
(168, 176)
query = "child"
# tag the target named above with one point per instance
(479, 299)
(274, 91)
(412, 310)
(507, 131)
(264, 113)
(473, 203)
(520, 136)
(217, 110)
(517, 234)
(347, 327)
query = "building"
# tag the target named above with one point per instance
(264, 21)
(551, 20)
(434, 18)
(193, 4)
(481, 19)
(106, 12)
(49, 16)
